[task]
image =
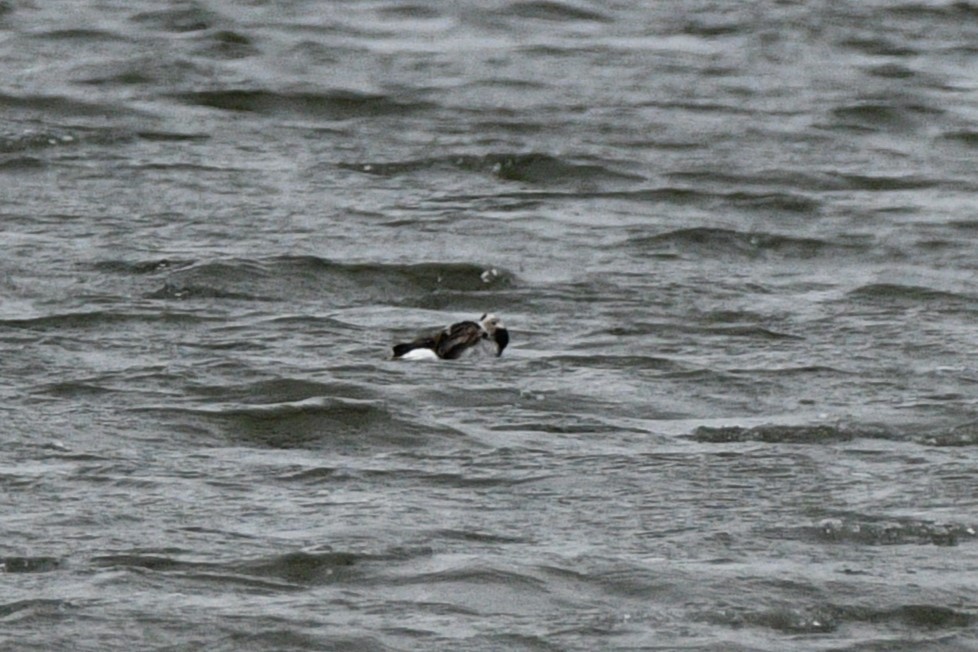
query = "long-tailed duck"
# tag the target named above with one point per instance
(455, 340)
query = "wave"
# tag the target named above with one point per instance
(778, 202)
(533, 168)
(303, 567)
(291, 277)
(285, 390)
(30, 140)
(785, 202)
(290, 570)
(884, 184)
(54, 608)
(805, 370)
(564, 425)
(789, 434)
(188, 18)
(964, 137)
(185, 291)
(914, 294)
(891, 71)
(881, 116)
(962, 435)
(74, 389)
(335, 105)
(791, 180)
(808, 181)
(140, 267)
(82, 34)
(410, 11)
(711, 29)
(227, 44)
(955, 11)
(488, 578)
(84, 320)
(157, 69)
(555, 11)
(29, 564)
(712, 241)
(745, 329)
(749, 331)
(22, 164)
(821, 619)
(316, 422)
(62, 106)
(878, 46)
(599, 361)
(315, 475)
(480, 537)
(879, 531)
(171, 136)
(793, 620)
(918, 616)
(469, 480)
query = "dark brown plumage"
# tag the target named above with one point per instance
(451, 342)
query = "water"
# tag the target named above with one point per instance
(734, 244)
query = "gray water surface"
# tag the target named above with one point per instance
(734, 244)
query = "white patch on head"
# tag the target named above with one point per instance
(491, 322)
(419, 354)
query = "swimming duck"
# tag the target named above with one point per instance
(456, 340)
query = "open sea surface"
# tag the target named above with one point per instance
(735, 244)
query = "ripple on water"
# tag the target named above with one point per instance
(825, 618)
(335, 105)
(321, 423)
(309, 277)
(29, 564)
(866, 530)
(534, 168)
(817, 434)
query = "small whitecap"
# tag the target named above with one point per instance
(830, 524)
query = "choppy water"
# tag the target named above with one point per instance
(734, 244)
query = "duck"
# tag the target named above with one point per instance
(457, 340)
